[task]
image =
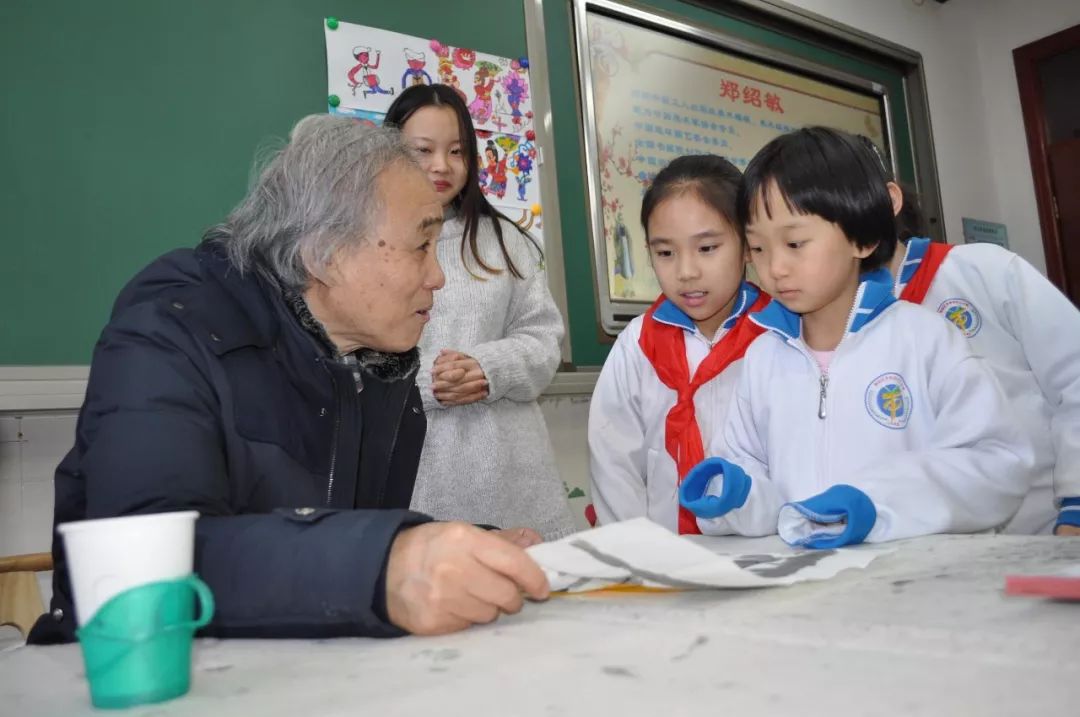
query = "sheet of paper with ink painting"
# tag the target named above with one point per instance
(640, 552)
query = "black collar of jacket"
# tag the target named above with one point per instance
(231, 310)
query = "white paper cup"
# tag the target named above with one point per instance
(108, 556)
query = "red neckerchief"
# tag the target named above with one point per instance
(916, 289)
(664, 346)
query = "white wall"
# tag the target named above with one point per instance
(964, 167)
(31, 446)
(967, 47)
(567, 419)
(1001, 27)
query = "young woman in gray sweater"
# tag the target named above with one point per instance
(492, 345)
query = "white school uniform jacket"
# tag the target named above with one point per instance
(631, 472)
(905, 415)
(1029, 334)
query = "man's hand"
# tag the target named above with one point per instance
(443, 577)
(1067, 530)
(457, 379)
(521, 537)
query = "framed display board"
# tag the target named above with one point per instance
(653, 90)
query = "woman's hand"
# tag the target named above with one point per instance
(457, 379)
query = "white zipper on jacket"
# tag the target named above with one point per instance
(847, 332)
(823, 373)
(801, 346)
(823, 435)
(821, 442)
(823, 438)
(824, 382)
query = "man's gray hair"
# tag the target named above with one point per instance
(314, 197)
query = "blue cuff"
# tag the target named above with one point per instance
(733, 492)
(1070, 512)
(838, 503)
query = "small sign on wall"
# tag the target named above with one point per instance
(976, 230)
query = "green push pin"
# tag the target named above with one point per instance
(333, 100)
(332, 23)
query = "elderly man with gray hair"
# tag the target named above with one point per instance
(266, 379)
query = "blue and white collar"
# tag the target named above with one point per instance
(669, 313)
(914, 254)
(872, 297)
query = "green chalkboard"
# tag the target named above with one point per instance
(129, 126)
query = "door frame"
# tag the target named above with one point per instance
(1026, 59)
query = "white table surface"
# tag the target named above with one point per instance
(925, 630)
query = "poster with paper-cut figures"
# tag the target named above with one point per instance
(507, 164)
(367, 67)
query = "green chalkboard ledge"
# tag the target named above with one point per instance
(42, 388)
(580, 382)
(28, 389)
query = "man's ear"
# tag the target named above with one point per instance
(897, 196)
(319, 272)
